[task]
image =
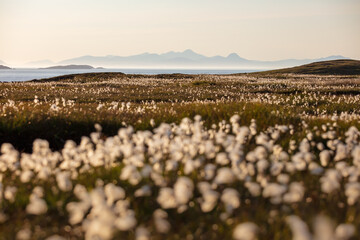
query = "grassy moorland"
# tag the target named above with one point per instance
(268, 156)
(336, 67)
(67, 107)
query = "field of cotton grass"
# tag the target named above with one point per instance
(115, 156)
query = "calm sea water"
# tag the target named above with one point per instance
(18, 75)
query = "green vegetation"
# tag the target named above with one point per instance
(68, 107)
(175, 96)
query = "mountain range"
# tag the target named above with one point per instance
(188, 59)
(185, 59)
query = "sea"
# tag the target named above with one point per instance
(26, 74)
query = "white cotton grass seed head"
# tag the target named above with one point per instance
(97, 229)
(283, 178)
(246, 231)
(131, 174)
(330, 181)
(325, 157)
(142, 233)
(36, 206)
(295, 193)
(345, 231)
(152, 122)
(323, 228)
(64, 182)
(113, 193)
(26, 176)
(352, 192)
(98, 127)
(77, 211)
(23, 234)
(231, 199)
(224, 176)
(209, 200)
(144, 191)
(10, 193)
(254, 188)
(222, 159)
(126, 222)
(274, 190)
(183, 190)
(298, 227)
(209, 170)
(162, 225)
(166, 198)
(38, 191)
(55, 237)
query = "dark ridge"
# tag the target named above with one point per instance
(83, 77)
(175, 76)
(334, 67)
(91, 77)
(4, 67)
(70, 67)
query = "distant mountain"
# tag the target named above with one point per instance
(189, 59)
(4, 67)
(2, 63)
(187, 54)
(70, 67)
(332, 67)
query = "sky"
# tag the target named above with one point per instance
(32, 30)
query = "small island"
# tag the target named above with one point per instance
(70, 67)
(4, 67)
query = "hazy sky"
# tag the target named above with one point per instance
(255, 29)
